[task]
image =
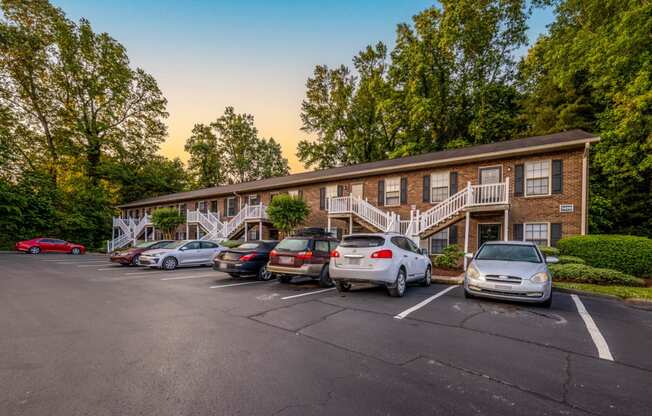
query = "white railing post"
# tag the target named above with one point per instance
(507, 190)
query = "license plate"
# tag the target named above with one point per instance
(223, 265)
(286, 260)
(502, 287)
(354, 261)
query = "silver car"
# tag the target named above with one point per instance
(182, 253)
(512, 270)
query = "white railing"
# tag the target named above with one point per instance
(118, 242)
(489, 194)
(384, 221)
(249, 212)
(137, 226)
(123, 223)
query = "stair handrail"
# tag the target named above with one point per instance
(380, 219)
(446, 208)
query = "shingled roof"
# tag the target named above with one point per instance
(567, 139)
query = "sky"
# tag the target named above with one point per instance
(254, 55)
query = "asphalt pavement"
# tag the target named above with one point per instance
(79, 336)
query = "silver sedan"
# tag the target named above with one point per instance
(182, 253)
(512, 270)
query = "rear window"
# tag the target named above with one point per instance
(509, 252)
(248, 246)
(293, 244)
(362, 241)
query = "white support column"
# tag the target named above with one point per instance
(466, 236)
(187, 229)
(506, 227)
(245, 231)
(329, 223)
(260, 229)
(350, 224)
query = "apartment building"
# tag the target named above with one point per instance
(533, 189)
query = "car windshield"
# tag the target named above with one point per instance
(293, 244)
(173, 244)
(248, 246)
(509, 252)
(362, 241)
(146, 244)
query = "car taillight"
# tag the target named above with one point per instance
(382, 254)
(304, 255)
(248, 257)
(335, 253)
(273, 253)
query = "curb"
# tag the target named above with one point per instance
(449, 280)
(637, 303)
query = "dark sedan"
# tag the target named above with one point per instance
(249, 258)
(131, 255)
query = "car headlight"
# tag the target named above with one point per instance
(540, 277)
(473, 273)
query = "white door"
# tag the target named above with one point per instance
(357, 190)
(418, 261)
(190, 253)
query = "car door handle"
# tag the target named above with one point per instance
(405, 255)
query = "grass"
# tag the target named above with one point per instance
(623, 292)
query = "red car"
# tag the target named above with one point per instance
(43, 245)
(131, 255)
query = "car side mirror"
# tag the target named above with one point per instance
(421, 251)
(183, 249)
(552, 260)
(469, 256)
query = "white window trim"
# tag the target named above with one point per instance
(293, 193)
(230, 198)
(252, 196)
(549, 178)
(399, 191)
(502, 172)
(536, 223)
(448, 242)
(502, 230)
(448, 185)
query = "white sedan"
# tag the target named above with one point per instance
(391, 260)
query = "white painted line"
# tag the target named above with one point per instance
(110, 268)
(309, 293)
(88, 265)
(152, 272)
(238, 284)
(596, 335)
(189, 277)
(423, 303)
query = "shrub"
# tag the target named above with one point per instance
(287, 213)
(549, 251)
(450, 258)
(626, 253)
(581, 273)
(167, 220)
(231, 243)
(571, 260)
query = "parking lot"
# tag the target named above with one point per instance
(82, 336)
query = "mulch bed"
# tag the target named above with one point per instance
(446, 272)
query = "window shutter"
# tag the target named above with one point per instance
(555, 233)
(557, 176)
(453, 183)
(381, 193)
(452, 234)
(518, 232)
(426, 188)
(518, 180)
(226, 207)
(322, 198)
(340, 190)
(404, 191)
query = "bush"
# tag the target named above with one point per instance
(450, 258)
(167, 220)
(231, 243)
(549, 251)
(287, 212)
(581, 273)
(570, 260)
(625, 253)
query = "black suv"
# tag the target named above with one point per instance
(305, 254)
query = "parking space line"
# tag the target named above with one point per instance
(238, 284)
(596, 335)
(88, 265)
(309, 293)
(110, 268)
(423, 303)
(189, 276)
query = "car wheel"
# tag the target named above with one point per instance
(343, 286)
(264, 274)
(135, 260)
(546, 303)
(468, 295)
(75, 250)
(427, 278)
(34, 250)
(398, 289)
(325, 277)
(169, 263)
(285, 279)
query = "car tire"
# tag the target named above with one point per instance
(325, 278)
(169, 263)
(75, 250)
(34, 250)
(135, 260)
(264, 274)
(468, 295)
(546, 303)
(285, 279)
(397, 290)
(427, 278)
(342, 285)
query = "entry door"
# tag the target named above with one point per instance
(356, 190)
(490, 175)
(488, 232)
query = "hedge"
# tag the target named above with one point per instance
(581, 273)
(626, 253)
(549, 251)
(571, 260)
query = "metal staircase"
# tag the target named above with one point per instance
(379, 219)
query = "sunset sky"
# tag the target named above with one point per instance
(253, 55)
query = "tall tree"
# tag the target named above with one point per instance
(205, 162)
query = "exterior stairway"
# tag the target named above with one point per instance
(130, 229)
(218, 230)
(378, 219)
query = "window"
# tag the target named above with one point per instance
(413, 247)
(214, 206)
(321, 246)
(357, 190)
(193, 245)
(439, 183)
(253, 199)
(401, 242)
(490, 175)
(208, 244)
(537, 233)
(393, 191)
(439, 242)
(294, 193)
(362, 241)
(230, 206)
(537, 178)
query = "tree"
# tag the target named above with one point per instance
(286, 213)
(205, 162)
(167, 220)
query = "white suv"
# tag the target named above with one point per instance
(392, 260)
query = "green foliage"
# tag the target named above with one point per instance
(581, 273)
(167, 220)
(623, 292)
(286, 213)
(549, 251)
(626, 253)
(231, 243)
(450, 258)
(571, 260)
